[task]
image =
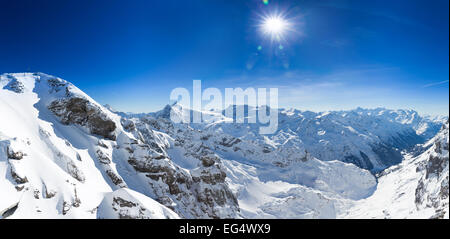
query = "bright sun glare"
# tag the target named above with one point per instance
(275, 26)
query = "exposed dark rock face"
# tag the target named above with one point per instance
(163, 170)
(15, 86)
(56, 84)
(65, 208)
(128, 125)
(209, 176)
(266, 150)
(82, 112)
(17, 178)
(48, 193)
(197, 193)
(123, 203)
(211, 189)
(10, 211)
(171, 185)
(433, 188)
(227, 142)
(114, 177)
(207, 161)
(181, 167)
(435, 165)
(17, 155)
(102, 157)
(420, 191)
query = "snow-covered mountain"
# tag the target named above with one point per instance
(370, 139)
(416, 188)
(63, 155)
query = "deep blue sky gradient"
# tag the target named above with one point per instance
(131, 54)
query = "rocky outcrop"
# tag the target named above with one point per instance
(15, 86)
(127, 204)
(169, 184)
(211, 189)
(200, 192)
(82, 112)
(12, 154)
(149, 167)
(433, 187)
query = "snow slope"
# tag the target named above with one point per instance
(129, 204)
(48, 176)
(62, 155)
(265, 184)
(416, 188)
(370, 139)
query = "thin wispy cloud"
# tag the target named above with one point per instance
(377, 13)
(436, 83)
(368, 86)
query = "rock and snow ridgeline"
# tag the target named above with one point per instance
(416, 188)
(63, 155)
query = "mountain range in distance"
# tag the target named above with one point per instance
(63, 155)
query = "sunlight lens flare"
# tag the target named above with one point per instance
(275, 26)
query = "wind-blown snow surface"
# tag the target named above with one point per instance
(62, 155)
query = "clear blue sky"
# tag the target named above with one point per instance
(131, 54)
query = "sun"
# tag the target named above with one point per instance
(275, 26)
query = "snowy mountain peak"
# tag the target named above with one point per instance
(63, 155)
(416, 188)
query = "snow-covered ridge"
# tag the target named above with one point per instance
(416, 188)
(369, 138)
(62, 155)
